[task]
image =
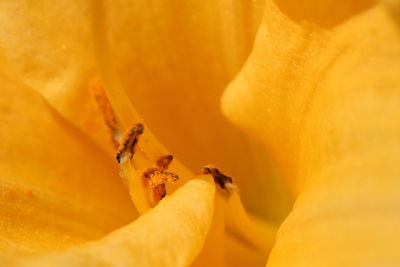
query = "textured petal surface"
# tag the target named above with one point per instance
(171, 234)
(321, 89)
(49, 47)
(57, 188)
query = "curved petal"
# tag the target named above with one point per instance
(322, 89)
(48, 46)
(213, 252)
(239, 254)
(171, 234)
(57, 187)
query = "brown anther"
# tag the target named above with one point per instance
(129, 141)
(147, 174)
(155, 177)
(159, 192)
(164, 161)
(221, 179)
(106, 110)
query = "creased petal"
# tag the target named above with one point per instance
(213, 251)
(57, 188)
(171, 234)
(239, 254)
(321, 89)
(48, 45)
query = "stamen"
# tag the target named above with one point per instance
(159, 192)
(157, 177)
(129, 141)
(237, 219)
(128, 173)
(164, 161)
(135, 185)
(107, 112)
(225, 182)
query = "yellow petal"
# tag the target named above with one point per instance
(259, 234)
(213, 251)
(322, 89)
(239, 254)
(171, 234)
(57, 187)
(48, 46)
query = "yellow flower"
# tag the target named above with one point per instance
(317, 82)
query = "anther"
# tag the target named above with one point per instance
(129, 141)
(157, 177)
(107, 112)
(164, 161)
(154, 177)
(159, 192)
(225, 182)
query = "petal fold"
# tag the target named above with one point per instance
(48, 46)
(171, 234)
(321, 89)
(57, 188)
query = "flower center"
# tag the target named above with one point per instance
(146, 165)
